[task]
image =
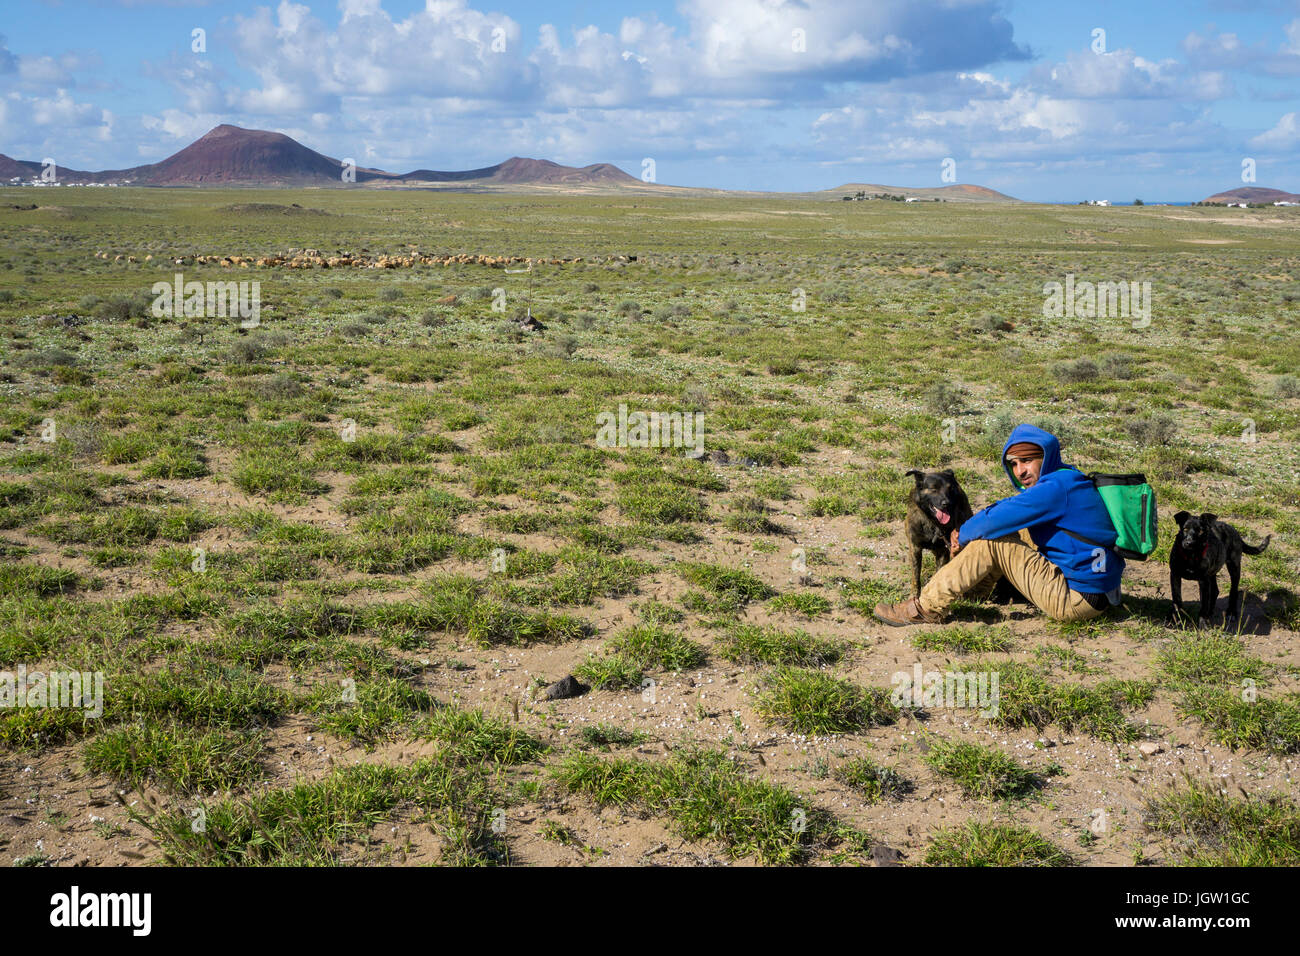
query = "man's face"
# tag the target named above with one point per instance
(1025, 469)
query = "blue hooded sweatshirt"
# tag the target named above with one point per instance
(1062, 499)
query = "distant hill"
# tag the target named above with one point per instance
(1253, 194)
(957, 192)
(233, 156)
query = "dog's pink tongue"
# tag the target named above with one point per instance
(942, 516)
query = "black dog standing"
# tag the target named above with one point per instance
(1203, 546)
(936, 508)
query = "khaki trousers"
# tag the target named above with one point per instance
(976, 568)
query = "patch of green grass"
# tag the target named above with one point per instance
(749, 516)
(278, 474)
(181, 757)
(475, 736)
(610, 672)
(728, 582)
(1027, 699)
(863, 595)
(336, 653)
(660, 504)
(199, 695)
(37, 728)
(1053, 656)
(875, 494)
(964, 639)
(872, 781)
(1207, 827)
(754, 644)
(656, 612)
(1209, 658)
(177, 461)
(993, 844)
(325, 822)
(707, 796)
(727, 605)
(37, 580)
(604, 736)
(815, 703)
(296, 621)
(373, 447)
(583, 576)
(774, 487)
(650, 645)
(983, 773)
(1242, 719)
(556, 832)
(368, 710)
(397, 553)
(456, 604)
(128, 527)
(808, 605)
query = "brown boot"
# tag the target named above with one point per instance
(906, 612)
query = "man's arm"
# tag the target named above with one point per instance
(1032, 506)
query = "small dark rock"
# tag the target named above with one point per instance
(564, 688)
(883, 855)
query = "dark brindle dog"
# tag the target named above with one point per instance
(1203, 546)
(936, 508)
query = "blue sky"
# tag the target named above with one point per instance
(739, 94)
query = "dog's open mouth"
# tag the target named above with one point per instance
(942, 516)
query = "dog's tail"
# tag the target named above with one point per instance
(1247, 549)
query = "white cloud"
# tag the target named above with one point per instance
(1285, 134)
(987, 118)
(1217, 50)
(1122, 74)
(35, 126)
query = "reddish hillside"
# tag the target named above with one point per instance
(229, 154)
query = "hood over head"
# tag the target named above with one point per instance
(1035, 436)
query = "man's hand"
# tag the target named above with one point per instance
(953, 546)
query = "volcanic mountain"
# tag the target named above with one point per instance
(1253, 194)
(232, 156)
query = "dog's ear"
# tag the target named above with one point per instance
(1181, 517)
(919, 474)
(949, 472)
(1208, 518)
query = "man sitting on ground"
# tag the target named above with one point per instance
(1028, 539)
